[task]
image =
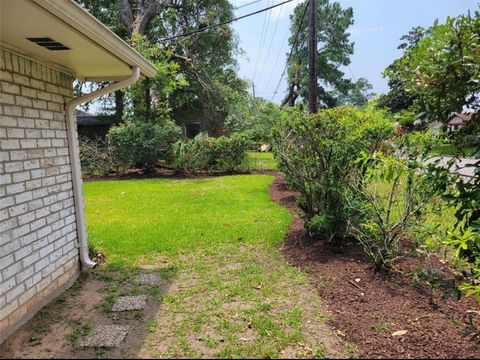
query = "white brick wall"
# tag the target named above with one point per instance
(38, 242)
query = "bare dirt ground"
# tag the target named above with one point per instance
(383, 316)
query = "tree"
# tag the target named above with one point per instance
(334, 50)
(358, 95)
(398, 98)
(442, 72)
(203, 63)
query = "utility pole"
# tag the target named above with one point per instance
(312, 56)
(253, 89)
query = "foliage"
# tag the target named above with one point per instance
(204, 153)
(334, 50)
(398, 99)
(358, 95)
(318, 153)
(442, 72)
(393, 193)
(96, 157)
(143, 144)
(254, 118)
(195, 73)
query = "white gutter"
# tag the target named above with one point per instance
(75, 159)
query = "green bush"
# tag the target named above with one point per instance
(204, 153)
(143, 144)
(318, 154)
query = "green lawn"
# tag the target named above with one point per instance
(259, 161)
(451, 150)
(129, 219)
(231, 292)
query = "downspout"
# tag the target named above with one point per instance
(75, 159)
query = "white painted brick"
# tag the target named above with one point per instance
(31, 113)
(26, 218)
(12, 110)
(5, 179)
(37, 84)
(15, 292)
(23, 101)
(21, 230)
(9, 144)
(7, 202)
(38, 224)
(4, 289)
(8, 99)
(14, 167)
(6, 261)
(31, 164)
(21, 176)
(33, 134)
(32, 93)
(35, 279)
(8, 224)
(39, 173)
(44, 143)
(12, 270)
(20, 79)
(10, 88)
(26, 123)
(26, 196)
(15, 133)
(15, 188)
(28, 144)
(7, 121)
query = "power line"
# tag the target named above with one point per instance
(260, 46)
(291, 50)
(244, 5)
(224, 22)
(271, 41)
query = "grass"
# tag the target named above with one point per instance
(137, 218)
(451, 150)
(231, 292)
(259, 161)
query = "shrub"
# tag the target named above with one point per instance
(318, 155)
(204, 153)
(96, 157)
(143, 144)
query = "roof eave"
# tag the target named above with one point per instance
(83, 21)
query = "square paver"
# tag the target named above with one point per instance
(125, 303)
(106, 336)
(149, 279)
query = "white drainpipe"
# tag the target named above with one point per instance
(75, 159)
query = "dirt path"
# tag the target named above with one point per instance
(369, 308)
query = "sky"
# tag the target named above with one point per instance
(378, 26)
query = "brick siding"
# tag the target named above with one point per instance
(38, 239)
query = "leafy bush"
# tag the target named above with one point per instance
(96, 157)
(143, 144)
(318, 153)
(204, 153)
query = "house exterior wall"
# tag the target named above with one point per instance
(38, 240)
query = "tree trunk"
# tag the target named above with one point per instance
(119, 105)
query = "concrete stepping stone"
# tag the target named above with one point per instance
(125, 303)
(106, 336)
(149, 279)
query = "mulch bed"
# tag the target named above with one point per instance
(367, 307)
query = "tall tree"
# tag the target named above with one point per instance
(359, 94)
(333, 51)
(203, 63)
(398, 98)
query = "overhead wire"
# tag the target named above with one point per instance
(271, 41)
(208, 27)
(262, 42)
(291, 50)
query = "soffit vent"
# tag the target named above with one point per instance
(48, 43)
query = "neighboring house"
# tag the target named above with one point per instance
(44, 46)
(458, 121)
(93, 126)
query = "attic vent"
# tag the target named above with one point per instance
(48, 43)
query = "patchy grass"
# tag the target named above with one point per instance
(232, 294)
(259, 161)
